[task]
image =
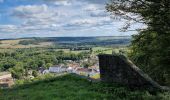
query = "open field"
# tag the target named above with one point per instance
(12, 44)
(108, 50)
(71, 87)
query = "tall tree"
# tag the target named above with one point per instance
(150, 49)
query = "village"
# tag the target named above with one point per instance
(86, 67)
(72, 67)
(77, 67)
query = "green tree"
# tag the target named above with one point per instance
(34, 73)
(17, 71)
(150, 49)
(48, 65)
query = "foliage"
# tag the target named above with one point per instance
(35, 73)
(27, 42)
(20, 61)
(150, 48)
(48, 65)
(18, 70)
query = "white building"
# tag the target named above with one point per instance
(57, 69)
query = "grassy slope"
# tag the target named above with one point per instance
(71, 87)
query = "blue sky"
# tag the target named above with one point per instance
(51, 18)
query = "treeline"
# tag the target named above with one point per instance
(34, 41)
(27, 42)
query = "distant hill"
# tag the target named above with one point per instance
(71, 87)
(65, 42)
(101, 41)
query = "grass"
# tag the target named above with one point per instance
(108, 50)
(72, 87)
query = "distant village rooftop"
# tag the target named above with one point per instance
(4, 75)
(5, 79)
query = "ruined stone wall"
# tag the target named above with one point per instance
(118, 69)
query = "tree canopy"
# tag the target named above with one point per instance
(150, 49)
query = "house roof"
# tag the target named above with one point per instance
(4, 75)
(83, 70)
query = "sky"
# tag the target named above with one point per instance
(57, 18)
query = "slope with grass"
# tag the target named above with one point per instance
(72, 87)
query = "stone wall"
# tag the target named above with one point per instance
(114, 68)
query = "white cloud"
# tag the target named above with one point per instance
(63, 3)
(32, 11)
(93, 7)
(83, 22)
(95, 10)
(38, 15)
(8, 28)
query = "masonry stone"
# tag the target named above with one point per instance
(119, 69)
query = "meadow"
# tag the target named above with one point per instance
(72, 87)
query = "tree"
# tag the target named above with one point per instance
(48, 65)
(34, 73)
(153, 13)
(150, 49)
(17, 71)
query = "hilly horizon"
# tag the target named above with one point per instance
(64, 37)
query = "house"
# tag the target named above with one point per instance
(6, 79)
(41, 70)
(74, 65)
(57, 69)
(45, 71)
(69, 69)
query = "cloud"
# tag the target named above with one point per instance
(60, 18)
(63, 3)
(57, 17)
(31, 11)
(102, 2)
(8, 28)
(88, 23)
(99, 13)
(93, 7)
(38, 15)
(96, 10)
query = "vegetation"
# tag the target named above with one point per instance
(27, 42)
(150, 48)
(71, 87)
(20, 61)
(80, 42)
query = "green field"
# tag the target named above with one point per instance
(72, 87)
(108, 50)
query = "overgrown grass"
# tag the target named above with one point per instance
(71, 87)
